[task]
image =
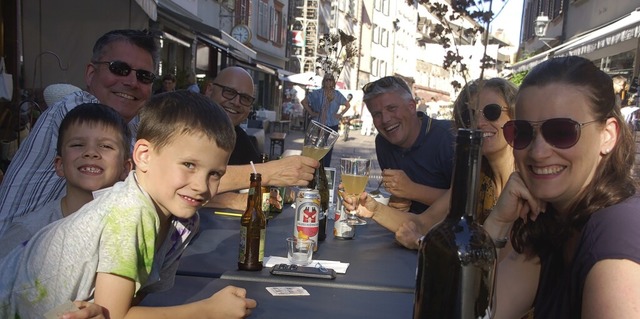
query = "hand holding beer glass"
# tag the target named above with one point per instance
(355, 175)
(318, 140)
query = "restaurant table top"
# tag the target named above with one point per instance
(321, 302)
(377, 262)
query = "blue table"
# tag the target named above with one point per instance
(322, 302)
(377, 262)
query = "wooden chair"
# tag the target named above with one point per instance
(277, 139)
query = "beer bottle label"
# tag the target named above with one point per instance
(263, 233)
(242, 254)
(265, 202)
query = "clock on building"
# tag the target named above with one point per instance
(242, 33)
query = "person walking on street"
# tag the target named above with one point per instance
(323, 105)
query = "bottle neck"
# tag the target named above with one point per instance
(255, 192)
(466, 175)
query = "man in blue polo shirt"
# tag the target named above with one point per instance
(415, 151)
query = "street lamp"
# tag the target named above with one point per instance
(541, 24)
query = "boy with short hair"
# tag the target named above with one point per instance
(92, 153)
(127, 242)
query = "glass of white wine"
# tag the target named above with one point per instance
(355, 175)
(318, 140)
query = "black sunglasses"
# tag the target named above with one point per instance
(230, 94)
(491, 112)
(385, 82)
(120, 68)
(560, 133)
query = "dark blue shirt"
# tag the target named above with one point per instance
(428, 162)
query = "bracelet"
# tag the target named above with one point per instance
(501, 242)
(419, 241)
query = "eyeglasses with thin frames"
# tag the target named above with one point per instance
(230, 94)
(121, 68)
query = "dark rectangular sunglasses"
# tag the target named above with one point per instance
(386, 82)
(560, 133)
(491, 112)
(120, 68)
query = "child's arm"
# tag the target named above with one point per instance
(115, 294)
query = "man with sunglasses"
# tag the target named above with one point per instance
(415, 151)
(119, 75)
(233, 89)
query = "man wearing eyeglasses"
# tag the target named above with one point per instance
(233, 90)
(415, 151)
(119, 75)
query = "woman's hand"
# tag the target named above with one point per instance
(516, 195)
(408, 235)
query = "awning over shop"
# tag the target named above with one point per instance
(150, 7)
(605, 36)
(189, 21)
(257, 67)
(619, 31)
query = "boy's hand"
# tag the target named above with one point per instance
(88, 310)
(229, 302)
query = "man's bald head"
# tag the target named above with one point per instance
(230, 81)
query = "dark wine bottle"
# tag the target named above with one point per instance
(322, 185)
(457, 258)
(253, 224)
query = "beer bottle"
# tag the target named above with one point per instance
(457, 258)
(266, 194)
(322, 185)
(253, 225)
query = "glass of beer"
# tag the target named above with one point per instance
(318, 140)
(355, 175)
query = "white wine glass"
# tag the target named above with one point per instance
(355, 175)
(318, 140)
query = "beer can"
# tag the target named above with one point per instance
(341, 229)
(306, 225)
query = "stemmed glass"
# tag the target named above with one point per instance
(318, 140)
(355, 175)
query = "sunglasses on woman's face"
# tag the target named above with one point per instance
(491, 112)
(120, 68)
(560, 133)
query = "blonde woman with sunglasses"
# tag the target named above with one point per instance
(572, 203)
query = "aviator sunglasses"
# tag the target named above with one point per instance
(560, 133)
(491, 112)
(120, 68)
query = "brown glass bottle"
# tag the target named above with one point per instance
(266, 192)
(253, 225)
(457, 258)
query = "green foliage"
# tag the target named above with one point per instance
(517, 78)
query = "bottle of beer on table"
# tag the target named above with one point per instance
(253, 225)
(266, 192)
(457, 258)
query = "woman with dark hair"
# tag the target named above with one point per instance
(572, 203)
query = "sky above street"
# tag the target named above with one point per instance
(508, 18)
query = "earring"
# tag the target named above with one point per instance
(607, 151)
